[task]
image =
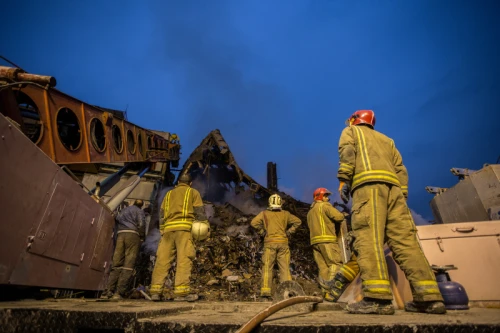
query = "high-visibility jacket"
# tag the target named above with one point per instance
(368, 156)
(320, 219)
(178, 209)
(275, 224)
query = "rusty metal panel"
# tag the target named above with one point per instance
(141, 143)
(78, 147)
(9, 107)
(63, 231)
(37, 96)
(116, 140)
(22, 199)
(57, 217)
(130, 137)
(32, 186)
(69, 138)
(104, 244)
(99, 144)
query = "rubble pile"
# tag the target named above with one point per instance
(228, 264)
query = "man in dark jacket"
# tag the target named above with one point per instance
(130, 230)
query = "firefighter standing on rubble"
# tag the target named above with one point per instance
(179, 209)
(276, 225)
(130, 230)
(320, 220)
(372, 171)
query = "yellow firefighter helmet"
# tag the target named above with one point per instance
(275, 201)
(200, 230)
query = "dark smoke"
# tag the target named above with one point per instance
(206, 54)
(211, 62)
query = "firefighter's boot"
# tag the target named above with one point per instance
(116, 297)
(107, 294)
(335, 287)
(328, 297)
(371, 306)
(338, 286)
(432, 307)
(155, 298)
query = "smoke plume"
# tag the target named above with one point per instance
(205, 53)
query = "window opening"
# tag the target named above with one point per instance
(97, 135)
(68, 128)
(33, 126)
(117, 139)
(131, 142)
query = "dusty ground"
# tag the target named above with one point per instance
(237, 313)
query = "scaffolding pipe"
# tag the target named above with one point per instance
(102, 187)
(123, 193)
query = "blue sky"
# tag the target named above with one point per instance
(279, 78)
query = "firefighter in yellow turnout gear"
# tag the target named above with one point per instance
(334, 277)
(320, 220)
(372, 171)
(277, 225)
(180, 208)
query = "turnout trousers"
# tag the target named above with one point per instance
(174, 243)
(380, 214)
(127, 247)
(350, 269)
(274, 252)
(328, 259)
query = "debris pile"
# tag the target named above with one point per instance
(228, 264)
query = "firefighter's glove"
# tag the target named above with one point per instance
(288, 234)
(262, 233)
(344, 191)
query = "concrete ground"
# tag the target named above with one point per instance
(135, 316)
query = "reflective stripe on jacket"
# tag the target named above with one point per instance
(320, 220)
(369, 156)
(177, 208)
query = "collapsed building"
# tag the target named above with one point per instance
(227, 265)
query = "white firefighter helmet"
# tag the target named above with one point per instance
(275, 201)
(200, 230)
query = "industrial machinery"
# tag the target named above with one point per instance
(67, 167)
(476, 197)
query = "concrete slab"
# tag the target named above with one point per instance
(137, 316)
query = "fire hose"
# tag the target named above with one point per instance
(261, 316)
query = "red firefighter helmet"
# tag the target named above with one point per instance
(319, 193)
(362, 117)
